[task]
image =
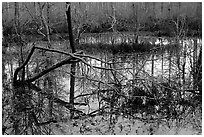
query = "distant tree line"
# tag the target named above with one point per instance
(98, 17)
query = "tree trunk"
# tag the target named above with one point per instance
(152, 65)
(73, 65)
(17, 90)
(197, 72)
(17, 104)
(162, 8)
(135, 16)
(169, 67)
(49, 79)
(16, 17)
(194, 63)
(44, 22)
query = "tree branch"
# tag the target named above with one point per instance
(57, 65)
(50, 96)
(82, 95)
(23, 65)
(61, 52)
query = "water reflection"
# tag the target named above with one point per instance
(118, 38)
(157, 66)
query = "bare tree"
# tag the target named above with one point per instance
(44, 21)
(73, 65)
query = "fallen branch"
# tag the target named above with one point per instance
(23, 65)
(70, 60)
(57, 65)
(61, 52)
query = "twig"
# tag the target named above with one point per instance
(82, 95)
(103, 68)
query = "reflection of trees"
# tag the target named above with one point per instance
(118, 88)
(121, 93)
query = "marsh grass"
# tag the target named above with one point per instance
(117, 48)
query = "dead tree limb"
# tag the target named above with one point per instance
(57, 65)
(23, 65)
(69, 60)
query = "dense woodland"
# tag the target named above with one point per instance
(95, 17)
(102, 68)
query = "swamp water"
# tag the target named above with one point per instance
(157, 67)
